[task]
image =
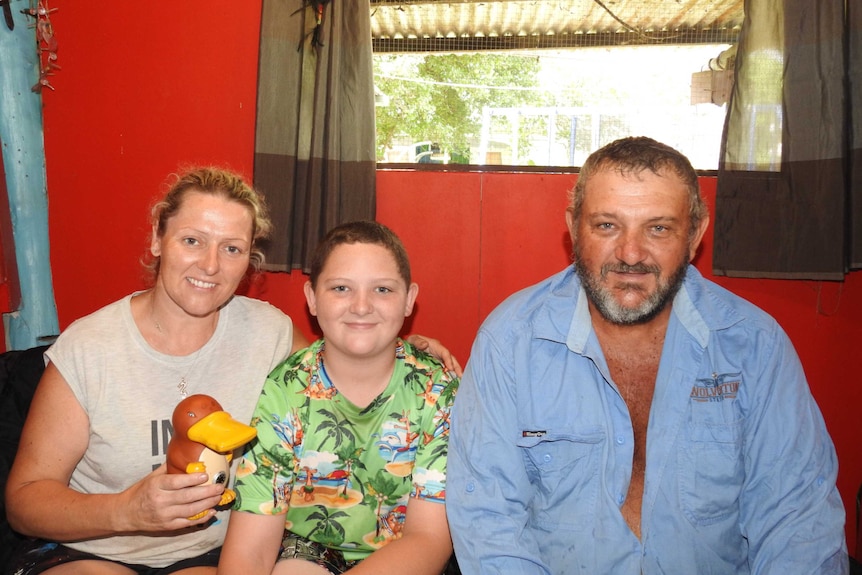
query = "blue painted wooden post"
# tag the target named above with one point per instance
(35, 321)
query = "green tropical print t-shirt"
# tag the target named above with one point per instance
(343, 474)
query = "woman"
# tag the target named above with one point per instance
(89, 471)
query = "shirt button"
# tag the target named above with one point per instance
(470, 487)
(620, 440)
(547, 458)
(621, 498)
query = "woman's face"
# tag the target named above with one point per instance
(204, 252)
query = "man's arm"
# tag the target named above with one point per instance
(790, 507)
(488, 491)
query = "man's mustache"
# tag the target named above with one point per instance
(622, 268)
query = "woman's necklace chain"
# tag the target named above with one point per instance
(183, 384)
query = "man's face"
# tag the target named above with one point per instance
(632, 243)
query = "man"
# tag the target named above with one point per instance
(628, 416)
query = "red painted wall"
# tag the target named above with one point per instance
(145, 88)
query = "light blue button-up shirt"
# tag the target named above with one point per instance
(740, 473)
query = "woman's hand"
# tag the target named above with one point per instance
(166, 502)
(435, 348)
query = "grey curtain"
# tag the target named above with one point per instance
(789, 198)
(314, 154)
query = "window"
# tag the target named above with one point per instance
(546, 83)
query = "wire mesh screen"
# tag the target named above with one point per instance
(431, 26)
(546, 83)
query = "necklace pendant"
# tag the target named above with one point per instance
(181, 387)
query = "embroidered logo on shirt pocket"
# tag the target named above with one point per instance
(717, 387)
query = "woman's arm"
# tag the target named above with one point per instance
(40, 502)
(424, 546)
(251, 544)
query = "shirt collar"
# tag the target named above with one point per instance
(581, 326)
(686, 312)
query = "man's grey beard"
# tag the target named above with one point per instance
(604, 302)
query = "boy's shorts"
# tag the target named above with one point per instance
(296, 547)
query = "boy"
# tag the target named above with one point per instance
(348, 472)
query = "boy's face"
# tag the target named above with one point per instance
(360, 301)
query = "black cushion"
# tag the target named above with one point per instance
(19, 374)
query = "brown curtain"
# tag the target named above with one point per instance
(314, 154)
(854, 89)
(789, 198)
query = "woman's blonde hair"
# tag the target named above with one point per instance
(217, 182)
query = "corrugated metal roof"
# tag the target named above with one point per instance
(505, 24)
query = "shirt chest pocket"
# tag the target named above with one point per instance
(711, 471)
(564, 471)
